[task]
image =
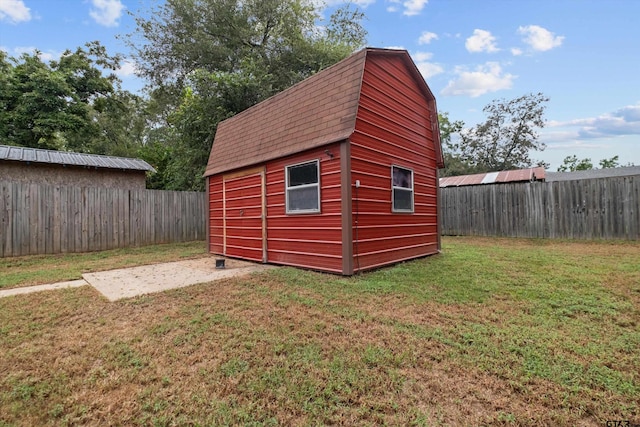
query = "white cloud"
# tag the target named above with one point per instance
(127, 68)
(516, 51)
(44, 56)
(567, 141)
(395, 47)
(629, 113)
(429, 69)
(481, 41)
(624, 121)
(422, 56)
(426, 37)
(414, 7)
(558, 138)
(14, 11)
(394, 2)
(107, 12)
(540, 39)
(411, 7)
(361, 3)
(484, 79)
(610, 125)
(426, 68)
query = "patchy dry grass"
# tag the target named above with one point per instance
(35, 270)
(491, 332)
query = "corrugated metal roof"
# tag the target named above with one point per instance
(37, 155)
(518, 175)
(594, 173)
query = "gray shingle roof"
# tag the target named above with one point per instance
(37, 155)
(594, 173)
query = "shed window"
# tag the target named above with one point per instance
(402, 189)
(303, 187)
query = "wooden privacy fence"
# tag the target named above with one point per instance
(44, 219)
(604, 208)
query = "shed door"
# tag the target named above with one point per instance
(244, 215)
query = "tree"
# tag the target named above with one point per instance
(609, 163)
(206, 60)
(37, 104)
(448, 128)
(572, 163)
(64, 104)
(504, 141)
(278, 39)
(453, 164)
(122, 120)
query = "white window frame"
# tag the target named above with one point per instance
(394, 188)
(296, 187)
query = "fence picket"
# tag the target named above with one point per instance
(604, 208)
(37, 218)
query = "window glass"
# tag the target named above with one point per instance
(301, 199)
(402, 177)
(303, 188)
(402, 189)
(303, 174)
(402, 200)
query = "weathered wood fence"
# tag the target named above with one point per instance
(44, 219)
(605, 208)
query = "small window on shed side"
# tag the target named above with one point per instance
(402, 189)
(303, 187)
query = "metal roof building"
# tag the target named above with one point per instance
(337, 173)
(535, 174)
(38, 155)
(593, 173)
(519, 175)
(38, 166)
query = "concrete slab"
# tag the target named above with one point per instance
(131, 282)
(38, 288)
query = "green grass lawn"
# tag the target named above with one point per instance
(36, 270)
(490, 332)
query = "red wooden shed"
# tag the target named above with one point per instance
(338, 173)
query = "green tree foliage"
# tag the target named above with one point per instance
(572, 163)
(504, 141)
(206, 60)
(453, 164)
(609, 163)
(448, 129)
(67, 104)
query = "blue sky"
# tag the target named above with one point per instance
(583, 54)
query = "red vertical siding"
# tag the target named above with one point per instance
(306, 240)
(393, 127)
(215, 215)
(243, 216)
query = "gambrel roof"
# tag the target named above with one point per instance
(317, 111)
